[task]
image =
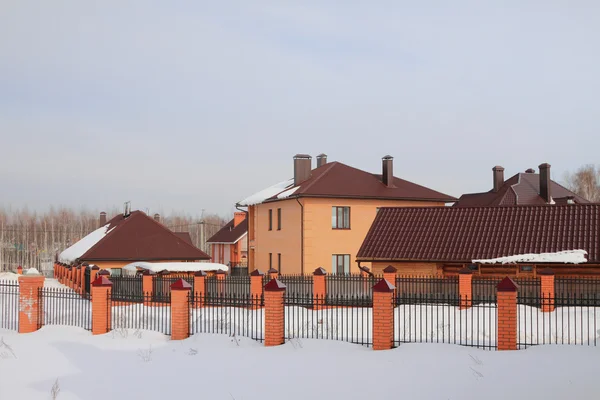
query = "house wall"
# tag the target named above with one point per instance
(407, 268)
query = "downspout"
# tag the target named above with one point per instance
(301, 236)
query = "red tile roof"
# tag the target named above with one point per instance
(140, 238)
(339, 180)
(229, 234)
(462, 234)
(184, 236)
(520, 189)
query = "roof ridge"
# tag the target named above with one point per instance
(109, 233)
(333, 164)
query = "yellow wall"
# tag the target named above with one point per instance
(320, 240)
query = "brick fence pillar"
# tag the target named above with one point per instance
(20, 270)
(30, 302)
(82, 279)
(147, 284)
(256, 284)
(78, 279)
(101, 306)
(274, 313)
(547, 289)
(180, 310)
(61, 273)
(383, 315)
(319, 288)
(507, 314)
(93, 275)
(465, 288)
(199, 288)
(273, 273)
(389, 274)
(69, 282)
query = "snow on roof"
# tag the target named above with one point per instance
(287, 193)
(566, 257)
(82, 246)
(269, 192)
(175, 266)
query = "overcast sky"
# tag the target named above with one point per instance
(191, 105)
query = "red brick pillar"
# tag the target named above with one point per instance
(61, 272)
(256, 284)
(273, 273)
(30, 302)
(199, 288)
(93, 275)
(77, 279)
(147, 284)
(389, 274)
(319, 288)
(180, 310)
(547, 289)
(101, 305)
(20, 270)
(274, 313)
(507, 314)
(82, 279)
(465, 288)
(383, 315)
(55, 271)
(70, 276)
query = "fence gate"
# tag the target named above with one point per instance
(9, 305)
(64, 307)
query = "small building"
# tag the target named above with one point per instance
(523, 188)
(229, 245)
(320, 217)
(128, 237)
(493, 241)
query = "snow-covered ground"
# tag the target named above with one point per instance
(146, 365)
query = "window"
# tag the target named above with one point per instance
(340, 217)
(526, 268)
(473, 267)
(279, 262)
(340, 263)
(279, 219)
(270, 260)
(270, 219)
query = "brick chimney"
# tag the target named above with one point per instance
(321, 160)
(302, 168)
(387, 173)
(498, 177)
(157, 217)
(238, 218)
(545, 192)
(102, 220)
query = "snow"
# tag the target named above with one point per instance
(269, 192)
(288, 193)
(31, 271)
(81, 247)
(136, 364)
(566, 257)
(175, 266)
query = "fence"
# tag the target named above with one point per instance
(409, 286)
(299, 289)
(231, 314)
(161, 287)
(341, 286)
(228, 286)
(9, 305)
(145, 315)
(127, 288)
(64, 307)
(484, 289)
(570, 291)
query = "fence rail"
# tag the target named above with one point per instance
(9, 305)
(127, 288)
(64, 307)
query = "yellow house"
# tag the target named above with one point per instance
(320, 217)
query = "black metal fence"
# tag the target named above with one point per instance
(127, 288)
(316, 319)
(231, 314)
(428, 318)
(571, 291)
(484, 288)
(9, 305)
(228, 286)
(145, 315)
(300, 286)
(64, 307)
(161, 287)
(340, 286)
(87, 288)
(425, 286)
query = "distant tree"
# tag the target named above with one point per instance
(585, 182)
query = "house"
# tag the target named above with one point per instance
(319, 217)
(493, 241)
(526, 188)
(128, 237)
(229, 245)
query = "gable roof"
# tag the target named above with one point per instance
(463, 234)
(339, 180)
(184, 236)
(520, 189)
(139, 238)
(229, 234)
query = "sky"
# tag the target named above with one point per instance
(194, 105)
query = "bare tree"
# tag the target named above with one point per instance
(585, 182)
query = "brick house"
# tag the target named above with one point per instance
(229, 245)
(494, 241)
(319, 218)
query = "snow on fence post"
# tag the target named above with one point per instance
(101, 308)
(383, 315)
(507, 314)
(274, 313)
(465, 288)
(547, 289)
(199, 288)
(147, 284)
(319, 288)
(256, 285)
(30, 301)
(180, 310)
(389, 274)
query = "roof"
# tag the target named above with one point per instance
(520, 189)
(184, 236)
(137, 238)
(156, 267)
(463, 234)
(229, 234)
(339, 180)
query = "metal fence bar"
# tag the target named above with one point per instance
(9, 305)
(147, 314)
(64, 307)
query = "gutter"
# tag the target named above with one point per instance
(301, 236)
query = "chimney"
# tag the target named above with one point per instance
(301, 168)
(321, 160)
(545, 192)
(530, 171)
(238, 218)
(102, 220)
(387, 174)
(157, 217)
(498, 177)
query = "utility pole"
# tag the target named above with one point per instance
(202, 243)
